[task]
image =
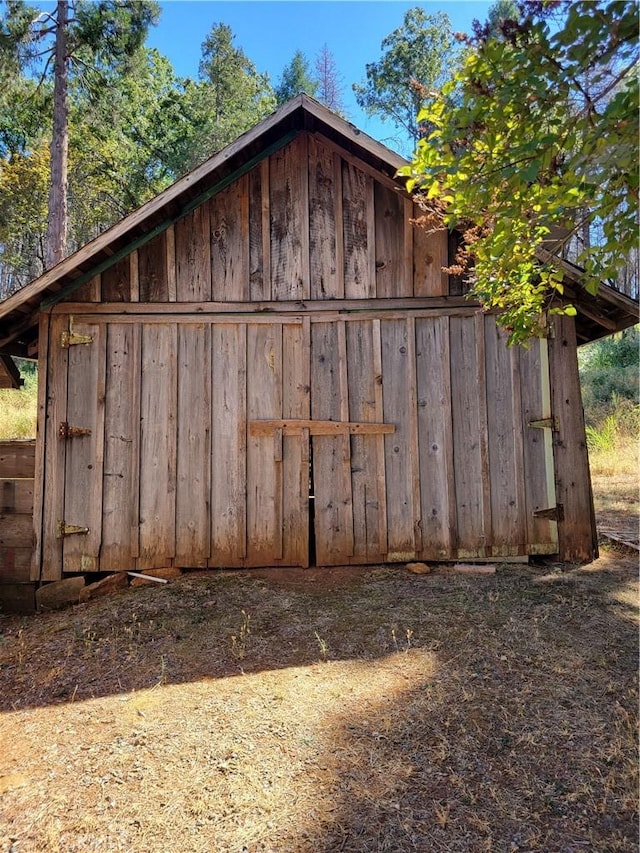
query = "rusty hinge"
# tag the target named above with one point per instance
(545, 423)
(71, 338)
(63, 529)
(66, 431)
(554, 513)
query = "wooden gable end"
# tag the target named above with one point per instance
(309, 222)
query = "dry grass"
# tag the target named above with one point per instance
(328, 710)
(18, 410)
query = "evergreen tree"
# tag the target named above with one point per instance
(296, 78)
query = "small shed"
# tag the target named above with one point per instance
(265, 365)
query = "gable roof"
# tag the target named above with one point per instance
(19, 312)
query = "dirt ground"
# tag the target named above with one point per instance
(286, 711)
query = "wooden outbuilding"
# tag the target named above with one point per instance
(265, 365)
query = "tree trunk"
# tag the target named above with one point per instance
(57, 223)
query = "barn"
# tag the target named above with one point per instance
(265, 365)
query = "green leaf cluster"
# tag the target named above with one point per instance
(534, 139)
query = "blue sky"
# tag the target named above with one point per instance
(270, 33)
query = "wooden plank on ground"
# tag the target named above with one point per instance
(193, 258)
(194, 446)
(288, 177)
(158, 412)
(578, 540)
(120, 498)
(228, 445)
(469, 485)
(85, 453)
(437, 481)
(230, 254)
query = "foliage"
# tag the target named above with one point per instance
(329, 80)
(609, 373)
(296, 78)
(230, 97)
(522, 152)
(417, 57)
(19, 407)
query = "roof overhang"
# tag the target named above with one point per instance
(19, 313)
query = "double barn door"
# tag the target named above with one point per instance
(279, 439)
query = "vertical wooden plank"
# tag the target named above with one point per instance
(85, 453)
(437, 482)
(430, 255)
(170, 249)
(391, 275)
(407, 230)
(399, 477)
(468, 464)
(193, 257)
(228, 444)
(158, 445)
(358, 233)
(88, 292)
(295, 466)
(135, 431)
(364, 455)
(332, 485)
(481, 362)
(116, 282)
(326, 280)
(412, 413)
(264, 400)
(230, 251)
(376, 342)
(576, 530)
(120, 499)
(55, 450)
(506, 513)
(518, 442)
(259, 233)
(152, 270)
(134, 276)
(288, 189)
(535, 478)
(193, 489)
(347, 497)
(41, 448)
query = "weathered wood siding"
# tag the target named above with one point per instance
(286, 374)
(206, 431)
(310, 222)
(16, 529)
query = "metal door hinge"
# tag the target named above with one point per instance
(66, 431)
(71, 338)
(554, 513)
(63, 529)
(545, 423)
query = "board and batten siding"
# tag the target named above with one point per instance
(309, 222)
(206, 432)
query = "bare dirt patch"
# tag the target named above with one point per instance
(327, 710)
